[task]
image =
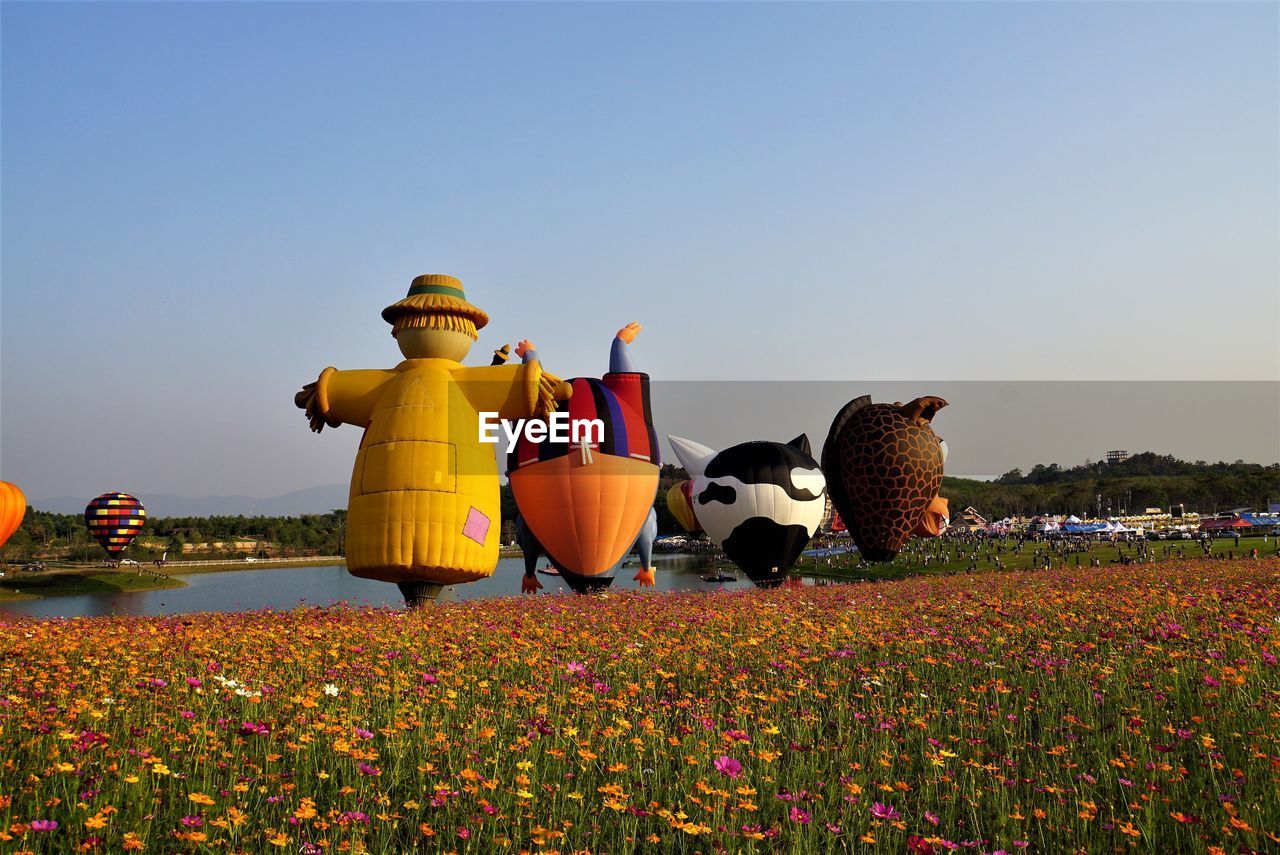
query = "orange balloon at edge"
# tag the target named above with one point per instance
(13, 507)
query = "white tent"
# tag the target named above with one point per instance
(1072, 520)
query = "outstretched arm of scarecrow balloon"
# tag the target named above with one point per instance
(512, 391)
(341, 397)
(644, 545)
(619, 355)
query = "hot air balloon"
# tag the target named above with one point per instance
(884, 466)
(424, 508)
(586, 499)
(13, 506)
(935, 519)
(533, 552)
(761, 502)
(679, 502)
(114, 520)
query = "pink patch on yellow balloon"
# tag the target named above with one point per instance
(476, 526)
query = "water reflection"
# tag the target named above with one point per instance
(287, 588)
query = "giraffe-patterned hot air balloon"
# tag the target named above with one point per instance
(114, 520)
(883, 464)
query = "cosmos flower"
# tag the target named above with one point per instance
(728, 766)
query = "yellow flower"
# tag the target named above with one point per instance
(200, 799)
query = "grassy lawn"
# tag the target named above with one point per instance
(69, 581)
(60, 583)
(949, 556)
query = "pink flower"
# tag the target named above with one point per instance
(931, 817)
(366, 769)
(918, 845)
(883, 811)
(800, 816)
(192, 821)
(728, 766)
(44, 825)
(464, 833)
(363, 734)
(735, 736)
(194, 682)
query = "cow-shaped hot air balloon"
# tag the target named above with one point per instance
(883, 464)
(114, 520)
(761, 502)
(680, 503)
(586, 502)
(13, 506)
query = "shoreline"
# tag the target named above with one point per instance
(72, 581)
(65, 581)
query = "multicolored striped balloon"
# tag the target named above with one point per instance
(114, 520)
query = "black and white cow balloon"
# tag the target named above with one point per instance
(761, 502)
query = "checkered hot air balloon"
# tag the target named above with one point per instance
(114, 520)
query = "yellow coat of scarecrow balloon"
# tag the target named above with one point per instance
(424, 504)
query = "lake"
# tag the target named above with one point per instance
(287, 588)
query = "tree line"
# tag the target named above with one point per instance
(1144, 480)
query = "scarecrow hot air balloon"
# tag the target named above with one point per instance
(884, 466)
(680, 503)
(533, 552)
(114, 520)
(586, 500)
(13, 506)
(761, 502)
(424, 506)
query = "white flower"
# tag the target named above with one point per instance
(331, 690)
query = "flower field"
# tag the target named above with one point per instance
(1089, 710)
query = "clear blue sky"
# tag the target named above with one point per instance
(205, 204)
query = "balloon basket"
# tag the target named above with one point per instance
(419, 594)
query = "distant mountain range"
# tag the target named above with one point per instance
(314, 500)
